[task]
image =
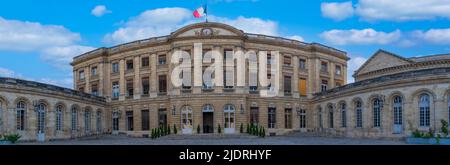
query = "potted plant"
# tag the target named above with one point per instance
(175, 131)
(9, 139)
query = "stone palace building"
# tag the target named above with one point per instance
(127, 89)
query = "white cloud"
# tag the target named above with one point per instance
(401, 10)
(250, 25)
(8, 73)
(436, 36)
(64, 82)
(360, 37)
(296, 37)
(337, 11)
(353, 64)
(62, 56)
(163, 21)
(30, 36)
(100, 10)
(56, 44)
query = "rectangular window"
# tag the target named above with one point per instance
(269, 58)
(302, 86)
(287, 61)
(145, 61)
(94, 90)
(94, 71)
(87, 121)
(162, 59)
(129, 118)
(338, 70)
(288, 118)
(145, 114)
(145, 86)
(130, 89)
(324, 67)
(302, 64)
(324, 85)
(74, 119)
(302, 118)
(162, 84)
(287, 85)
(129, 64)
(271, 118)
(20, 119)
(254, 115)
(81, 74)
(115, 67)
(115, 90)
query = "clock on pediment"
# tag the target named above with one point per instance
(206, 32)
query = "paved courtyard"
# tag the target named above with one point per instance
(292, 139)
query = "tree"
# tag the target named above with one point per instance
(241, 130)
(248, 128)
(168, 130)
(175, 131)
(219, 130)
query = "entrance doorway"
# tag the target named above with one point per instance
(162, 115)
(208, 119)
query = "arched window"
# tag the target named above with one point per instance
(99, 121)
(358, 110)
(377, 112)
(186, 119)
(343, 115)
(319, 111)
(398, 117)
(59, 117)
(115, 121)
(87, 120)
(74, 118)
(228, 115)
(41, 117)
(424, 110)
(20, 116)
(448, 103)
(330, 116)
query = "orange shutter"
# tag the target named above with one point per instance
(302, 87)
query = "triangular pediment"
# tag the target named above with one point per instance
(206, 29)
(380, 60)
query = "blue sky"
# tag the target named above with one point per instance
(39, 39)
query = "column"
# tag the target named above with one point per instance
(87, 76)
(198, 71)
(153, 76)
(122, 79)
(137, 78)
(75, 79)
(294, 84)
(344, 74)
(101, 78)
(332, 73)
(241, 69)
(218, 72)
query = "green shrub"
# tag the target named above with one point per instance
(198, 129)
(417, 134)
(256, 131)
(263, 132)
(219, 130)
(168, 130)
(444, 127)
(241, 130)
(13, 138)
(248, 128)
(175, 131)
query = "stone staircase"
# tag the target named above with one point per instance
(208, 136)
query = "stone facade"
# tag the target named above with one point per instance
(22, 101)
(111, 66)
(396, 98)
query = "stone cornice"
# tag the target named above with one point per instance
(435, 72)
(404, 68)
(245, 37)
(11, 83)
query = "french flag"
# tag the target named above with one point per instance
(200, 12)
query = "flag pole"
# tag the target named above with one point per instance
(206, 10)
